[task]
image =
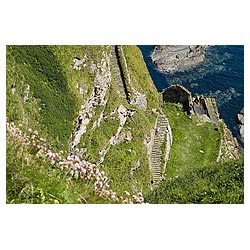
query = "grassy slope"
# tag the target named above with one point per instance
(52, 108)
(203, 184)
(192, 174)
(54, 99)
(122, 157)
(193, 141)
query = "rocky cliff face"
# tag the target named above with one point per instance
(172, 58)
(240, 118)
(206, 109)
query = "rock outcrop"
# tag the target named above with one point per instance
(123, 114)
(203, 107)
(229, 147)
(206, 109)
(172, 58)
(240, 118)
(97, 98)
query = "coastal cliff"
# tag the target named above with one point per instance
(85, 124)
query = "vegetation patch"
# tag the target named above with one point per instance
(194, 142)
(192, 174)
(45, 93)
(214, 183)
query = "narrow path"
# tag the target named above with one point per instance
(117, 73)
(158, 158)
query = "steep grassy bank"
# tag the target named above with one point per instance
(51, 105)
(194, 142)
(192, 174)
(126, 155)
(214, 183)
(46, 88)
(53, 90)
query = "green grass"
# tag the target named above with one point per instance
(216, 183)
(54, 101)
(34, 180)
(140, 77)
(124, 156)
(194, 142)
(51, 99)
(52, 108)
(192, 174)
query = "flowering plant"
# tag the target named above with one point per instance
(77, 168)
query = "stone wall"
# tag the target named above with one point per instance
(178, 94)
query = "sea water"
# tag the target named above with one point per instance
(220, 75)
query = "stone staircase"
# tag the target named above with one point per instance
(117, 73)
(156, 156)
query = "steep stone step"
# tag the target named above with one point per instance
(117, 74)
(162, 127)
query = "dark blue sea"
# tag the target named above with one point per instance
(220, 75)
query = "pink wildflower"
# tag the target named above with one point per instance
(125, 201)
(127, 193)
(107, 192)
(72, 172)
(77, 165)
(69, 158)
(77, 158)
(49, 154)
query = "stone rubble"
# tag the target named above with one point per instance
(123, 115)
(26, 93)
(78, 63)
